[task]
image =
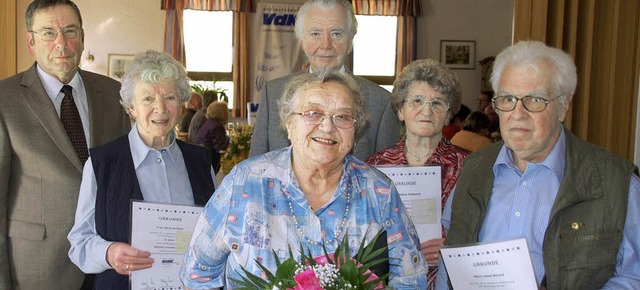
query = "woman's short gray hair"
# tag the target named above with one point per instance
(534, 53)
(438, 76)
(152, 67)
(298, 84)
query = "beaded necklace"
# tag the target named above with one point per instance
(418, 157)
(342, 224)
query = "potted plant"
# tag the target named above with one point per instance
(221, 93)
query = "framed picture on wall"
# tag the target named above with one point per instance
(118, 65)
(458, 54)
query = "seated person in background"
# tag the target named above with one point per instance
(494, 123)
(193, 105)
(326, 29)
(424, 97)
(201, 115)
(576, 204)
(147, 164)
(474, 133)
(212, 134)
(310, 194)
(456, 122)
(484, 100)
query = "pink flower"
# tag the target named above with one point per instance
(322, 259)
(373, 277)
(307, 280)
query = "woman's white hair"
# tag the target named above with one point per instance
(152, 67)
(297, 85)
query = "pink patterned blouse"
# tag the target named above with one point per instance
(447, 155)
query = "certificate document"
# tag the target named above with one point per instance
(501, 265)
(165, 231)
(420, 190)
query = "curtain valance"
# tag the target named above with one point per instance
(209, 5)
(411, 8)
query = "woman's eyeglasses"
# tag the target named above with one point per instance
(343, 121)
(416, 103)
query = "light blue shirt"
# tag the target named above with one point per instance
(53, 86)
(162, 176)
(520, 207)
(252, 213)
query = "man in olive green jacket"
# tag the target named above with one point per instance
(577, 205)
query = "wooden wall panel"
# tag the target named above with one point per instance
(522, 20)
(583, 53)
(631, 151)
(625, 83)
(602, 73)
(603, 37)
(569, 40)
(556, 16)
(8, 54)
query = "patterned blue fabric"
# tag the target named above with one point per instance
(251, 214)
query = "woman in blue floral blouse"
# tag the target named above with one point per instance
(312, 193)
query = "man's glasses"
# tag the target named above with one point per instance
(343, 121)
(416, 103)
(49, 34)
(532, 104)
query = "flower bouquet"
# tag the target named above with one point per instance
(334, 271)
(238, 150)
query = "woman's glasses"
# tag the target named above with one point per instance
(416, 103)
(343, 121)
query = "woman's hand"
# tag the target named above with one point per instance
(124, 258)
(431, 250)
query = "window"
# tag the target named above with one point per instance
(208, 41)
(374, 49)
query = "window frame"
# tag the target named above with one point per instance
(380, 80)
(213, 75)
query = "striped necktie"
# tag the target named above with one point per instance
(72, 123)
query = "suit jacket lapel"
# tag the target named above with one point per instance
(94, 99)
(36, 98)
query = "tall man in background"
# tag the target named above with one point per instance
(49, 115)
(326, 29)
(577, 205)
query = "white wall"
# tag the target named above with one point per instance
(488, 22)
(115, 26)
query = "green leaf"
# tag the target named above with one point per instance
(251, 281)
(286, 272)
(349, 271)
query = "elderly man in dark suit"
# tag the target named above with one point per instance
(326, 29)
(49, 115)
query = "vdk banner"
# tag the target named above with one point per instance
(279, 51)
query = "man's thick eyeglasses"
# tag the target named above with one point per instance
(49, 34)
(416, 103)
(532, 104)
(343, 121)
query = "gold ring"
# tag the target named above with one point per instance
(126, 267)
